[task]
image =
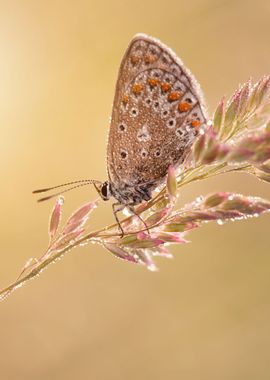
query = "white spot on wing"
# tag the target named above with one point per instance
(143, 134)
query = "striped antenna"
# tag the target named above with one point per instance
(79, 183)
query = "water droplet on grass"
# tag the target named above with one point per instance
(220, 222)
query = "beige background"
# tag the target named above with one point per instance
(205, 314)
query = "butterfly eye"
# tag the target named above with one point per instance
(105, 190)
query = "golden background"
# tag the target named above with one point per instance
(206, 313)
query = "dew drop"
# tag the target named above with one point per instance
(152, 267)
(220, 222)
(199, 199)
(178, 171)
(127, 212)
(158, 188)
(201, 131)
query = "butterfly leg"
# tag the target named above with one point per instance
(132, 209)
(117, 207)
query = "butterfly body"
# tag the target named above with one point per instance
(126, 194)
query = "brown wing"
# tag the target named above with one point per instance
(157, 111)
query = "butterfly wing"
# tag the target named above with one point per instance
(157, 112)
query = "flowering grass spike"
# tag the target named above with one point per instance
(237, 139)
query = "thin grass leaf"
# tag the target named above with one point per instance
(254, 148)
(67, 239)
(145, 257)
(163, 203)
(199, 147)
(244, 97)
(219, 116)
(261, 92)
(28, 265)
(162, 252)
(79, 217)
(213, 150)
(146, 241)
(171, 237)
(55, 218)
(120, 252)
(231, 114)
(171, 184)
(157, 217)
(179, 227)
(262, 176)
(265, 167)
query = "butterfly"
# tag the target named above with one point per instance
(158, 111)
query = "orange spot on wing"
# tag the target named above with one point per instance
(184, 107)
(137, 88)
(195, 123)
(149, 58)
(174, 95)
(134, 59)
(165, 87)
(153, 82)
(125, 99)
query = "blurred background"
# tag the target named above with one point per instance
(206, 313)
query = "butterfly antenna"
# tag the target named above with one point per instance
(79, 184)
(82, 181)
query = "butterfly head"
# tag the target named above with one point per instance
(104, 189)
